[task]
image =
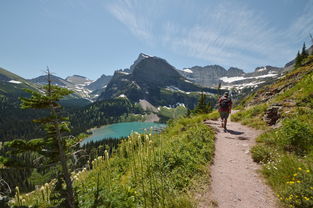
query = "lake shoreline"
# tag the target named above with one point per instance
(119, 130)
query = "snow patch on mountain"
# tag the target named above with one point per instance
(262, 69)
(125, 73)
(241, 86)
(122, 96)
(232, 79)
(187, 70)
(15, 82)
(145, 56)
(266, 75)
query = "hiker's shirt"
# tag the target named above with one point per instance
(228, 108)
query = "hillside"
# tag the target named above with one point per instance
(146, 170)
(284, 110)
(16, 122)
(75, 83)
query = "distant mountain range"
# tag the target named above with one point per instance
(150, 80)
(212, 75)
(155, 80)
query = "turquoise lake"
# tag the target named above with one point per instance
(119, 130)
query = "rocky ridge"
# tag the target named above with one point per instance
(213, 75)
(155, 80)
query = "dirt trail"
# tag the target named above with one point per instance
(235, 180)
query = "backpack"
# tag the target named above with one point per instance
(225, 103)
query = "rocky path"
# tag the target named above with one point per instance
(235, 180)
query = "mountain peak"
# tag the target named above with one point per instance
(233, 72)
(75, 75)
(141, 57)
(78, 80)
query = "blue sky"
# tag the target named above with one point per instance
(95, 37)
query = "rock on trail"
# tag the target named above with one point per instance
(235, 180)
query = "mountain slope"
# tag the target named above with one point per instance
(16, 123)
(12, 85)
(75, 83)
(100, 83)
(212, 75)
(78, 80)
(154, 80)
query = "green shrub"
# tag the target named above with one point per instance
(268, 138)
(262, 154)
(215, 115)
(296, 136)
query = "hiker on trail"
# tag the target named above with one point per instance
(224, 108)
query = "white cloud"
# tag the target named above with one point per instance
(229, 35)
(136, 15)
(226, 33)
(303, 25)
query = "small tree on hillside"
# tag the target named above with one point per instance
(311, 37)
(304, 53)
(298, 60)
(53, 146)
(203, 106)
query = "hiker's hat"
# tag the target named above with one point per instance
(226, 94)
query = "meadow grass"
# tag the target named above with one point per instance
(252, 116)
(145, 171)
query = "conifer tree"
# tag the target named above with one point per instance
(304, 53)
(202, 106)
(53, 146)
(298, 60)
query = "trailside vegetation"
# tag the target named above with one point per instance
(286, 152)
(146, 170)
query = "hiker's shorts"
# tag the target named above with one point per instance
(224, 115)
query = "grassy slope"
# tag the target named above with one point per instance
(292, 92)
(286, 152)
(9, 88)
(145, 171)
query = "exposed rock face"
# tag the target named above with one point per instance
(272, 115)
(211, 76)
(207, 76)
(79, 89)
(234, 72)
(152, 79)
(43, 80)
(78, 80)
(264, 70)
(140, 58)
(100, 82)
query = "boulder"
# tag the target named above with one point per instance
(272, 115)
